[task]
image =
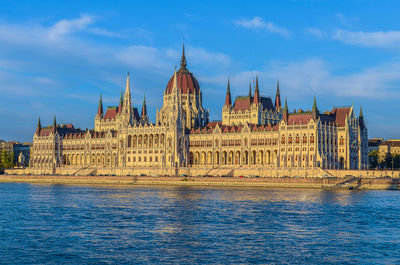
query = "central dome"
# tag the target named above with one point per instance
(187, 83)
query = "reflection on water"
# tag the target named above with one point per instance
(171, 224)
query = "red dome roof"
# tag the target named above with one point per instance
(187, 83)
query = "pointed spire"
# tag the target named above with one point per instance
(250, 91)
(228, 99)
(314, 107)
(285, 108)
(39, 127)
(256, 93)
(144, 108)
(286, 111)
(127, 87)
(314, 110)
(121, 100)
(278, 103)
(361, 119)
(53, 129)
(183, 59)
(100, 108)
(126, 101)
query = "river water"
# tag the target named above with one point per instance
(48, 224)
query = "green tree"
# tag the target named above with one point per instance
(396, 161)
(6, 159)
(373, 159)
(387, 161)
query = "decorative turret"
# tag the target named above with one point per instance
(120, 103)
(314, 110)
(127, 97)
(183, 59)
(285, 111)
(54, 128)
(256, 99)
(361, 119)
(250, 91)
(100, 108)
(228, 99)
(144, 109)
(278, 103)
(39, 127)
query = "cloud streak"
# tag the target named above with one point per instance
(380, 39)
(259, 23)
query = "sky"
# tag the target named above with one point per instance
(56, 57)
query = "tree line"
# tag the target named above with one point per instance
(388, 162)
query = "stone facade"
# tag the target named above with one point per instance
(254, 133)
(388, 146)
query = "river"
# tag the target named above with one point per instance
(83, 224)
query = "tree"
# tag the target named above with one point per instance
(373, 159)
(396, 161)
(387, 161)
(6, 159)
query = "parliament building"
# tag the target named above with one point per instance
(254, 132)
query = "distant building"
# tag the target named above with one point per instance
(373, 144)
(17, 148)
(254, 132)
(388, 146)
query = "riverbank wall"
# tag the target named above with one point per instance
(226, 171)
(276, 182)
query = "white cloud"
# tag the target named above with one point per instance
(316, 77)
(381, 39)
(66, 26)
(259, 23)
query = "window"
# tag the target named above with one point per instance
(312, 138)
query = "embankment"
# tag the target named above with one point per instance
(287, 182)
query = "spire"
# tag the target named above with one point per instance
(39, 127)
(256, 92)
(53, 129)
(100, 108)
(126, 105)
(127, 87)
(228, 99)
(120, 103)
(144, 108)
(285, 108)
(314, 107)
(250, 91)
(314, 110)
(361, 119)
(278, 103)
(286, 111)
(183, 59)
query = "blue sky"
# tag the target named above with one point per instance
(56, 57)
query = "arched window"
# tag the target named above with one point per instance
(283, 140)
(297, 139)
(312, 138)
(129, 141)
(304, 139)
(290, 139)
